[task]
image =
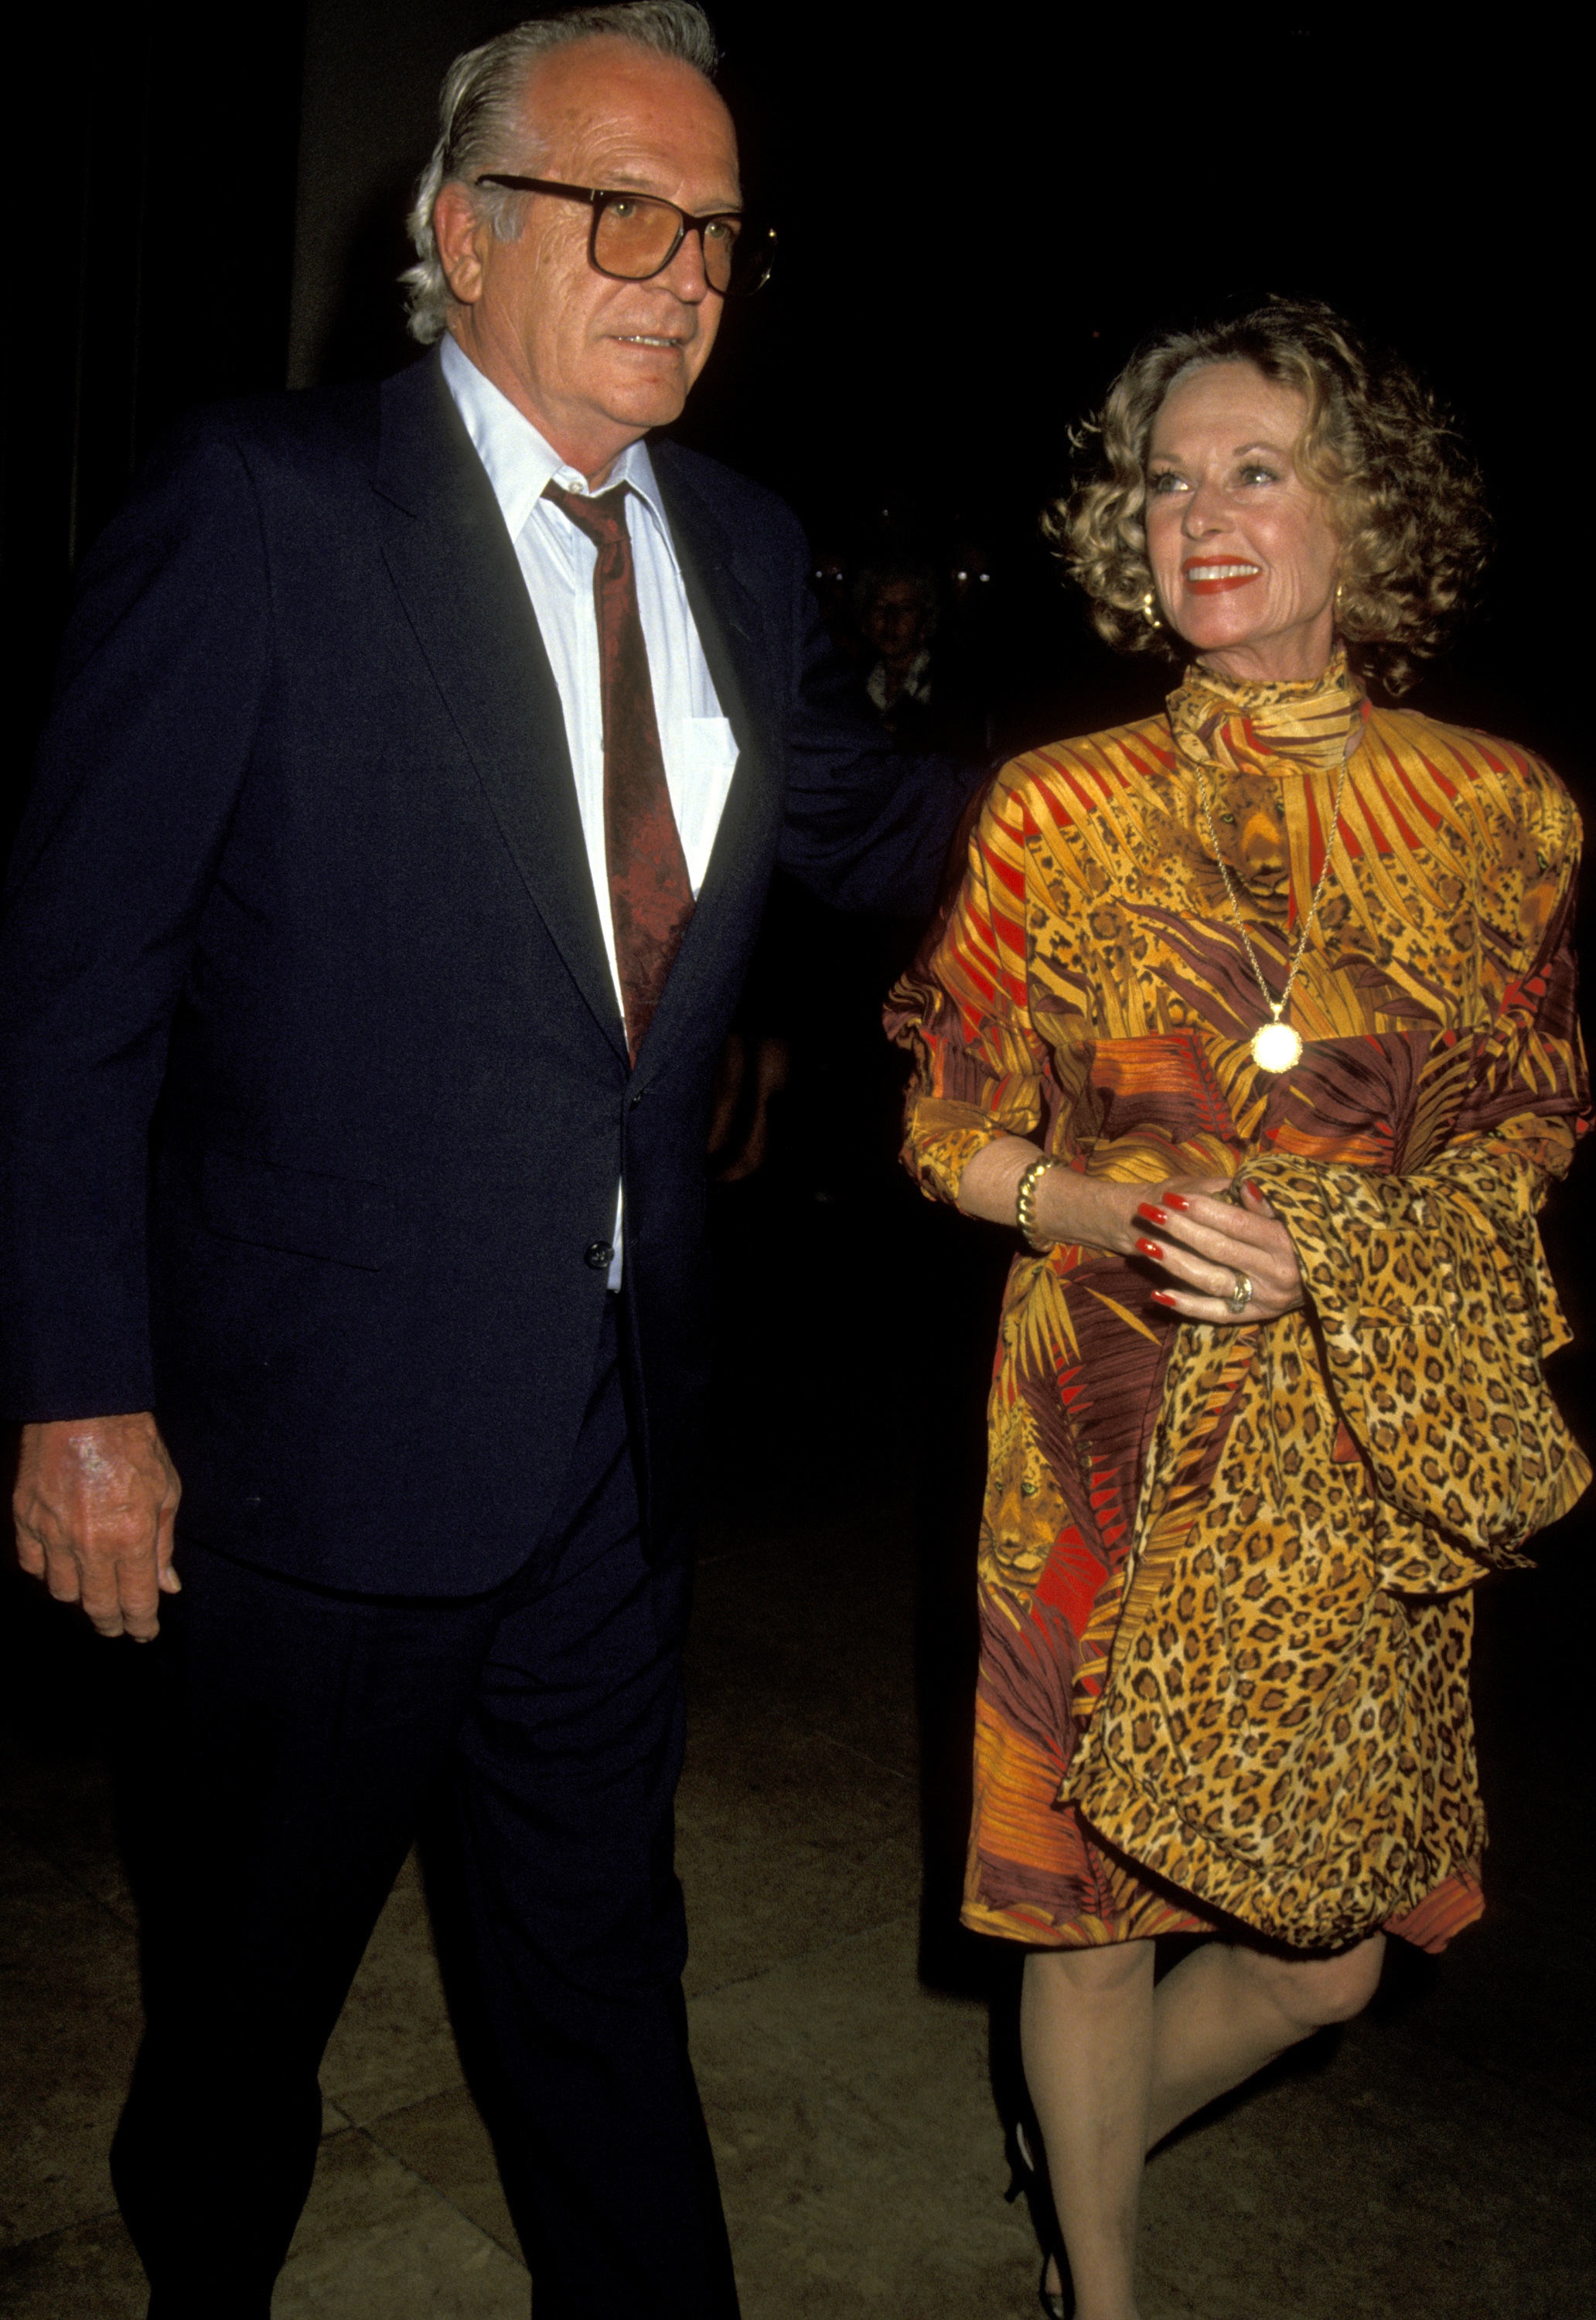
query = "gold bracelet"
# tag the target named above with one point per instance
(1024, 1195)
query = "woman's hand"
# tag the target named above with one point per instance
(1211, 1247)
(1205, 1243)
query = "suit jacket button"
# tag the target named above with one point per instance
(600, 1255)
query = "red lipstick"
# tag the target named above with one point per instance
(1226, 571)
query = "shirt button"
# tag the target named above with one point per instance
(599, 1255)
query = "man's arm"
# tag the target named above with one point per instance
(140, 770)
(94, 1503)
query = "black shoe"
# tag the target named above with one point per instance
(1026, 2183)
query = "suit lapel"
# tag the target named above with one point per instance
(455, 567)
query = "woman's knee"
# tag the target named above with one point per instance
(1102, 1970)
(1313, 1992)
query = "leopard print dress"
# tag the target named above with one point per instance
(1225, 1575)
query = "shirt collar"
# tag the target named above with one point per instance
(916, 684)
(518, 460)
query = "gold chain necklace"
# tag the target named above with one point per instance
(1277, 1047)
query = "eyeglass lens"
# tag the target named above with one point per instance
(633, 238)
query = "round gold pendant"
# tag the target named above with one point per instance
(1277, 1047)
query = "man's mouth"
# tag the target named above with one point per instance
(1209, 579)
(644, 338)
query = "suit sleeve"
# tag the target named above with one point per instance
(867, 827)
(160, 692)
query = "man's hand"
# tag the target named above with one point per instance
(94, 1503)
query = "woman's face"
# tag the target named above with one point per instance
(1242, 556)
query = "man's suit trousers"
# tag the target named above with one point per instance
(298, 1737)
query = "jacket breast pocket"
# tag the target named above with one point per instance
(297, 1210)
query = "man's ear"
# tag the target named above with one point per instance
(461, 235)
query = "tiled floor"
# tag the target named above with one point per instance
(1434, 2162)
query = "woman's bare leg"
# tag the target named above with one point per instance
(1113, 2066)
(1086, 2035)
(1224, 2012)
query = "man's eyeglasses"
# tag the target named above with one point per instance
(634, 236)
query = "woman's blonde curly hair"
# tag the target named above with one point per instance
(1404, 495)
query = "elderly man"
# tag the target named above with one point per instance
(398, 846)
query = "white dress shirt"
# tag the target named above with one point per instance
(556, 563)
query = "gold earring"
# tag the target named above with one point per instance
(1149, 610)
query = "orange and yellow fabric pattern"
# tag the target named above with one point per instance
(1224, 1574)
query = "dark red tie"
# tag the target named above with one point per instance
(650, 895)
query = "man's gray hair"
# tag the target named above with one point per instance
(480, 127)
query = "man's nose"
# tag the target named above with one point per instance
(685, 276)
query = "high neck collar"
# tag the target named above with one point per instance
(1302, 727)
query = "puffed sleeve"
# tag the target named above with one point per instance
(981, 1068)
(1528, 1086)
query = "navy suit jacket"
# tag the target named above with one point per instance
(317, 1090)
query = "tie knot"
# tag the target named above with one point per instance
(602, 519)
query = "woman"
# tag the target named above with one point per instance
(1256, 1020)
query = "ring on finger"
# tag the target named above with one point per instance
(1241, 1296)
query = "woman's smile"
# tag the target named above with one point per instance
(1208, 579)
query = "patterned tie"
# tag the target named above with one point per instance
(650, 895)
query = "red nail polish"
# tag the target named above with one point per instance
(1150, 1248)
(1176, 1200)
(1161, 1297)
(1152, 1214)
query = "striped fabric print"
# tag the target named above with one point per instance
(1091, 990)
